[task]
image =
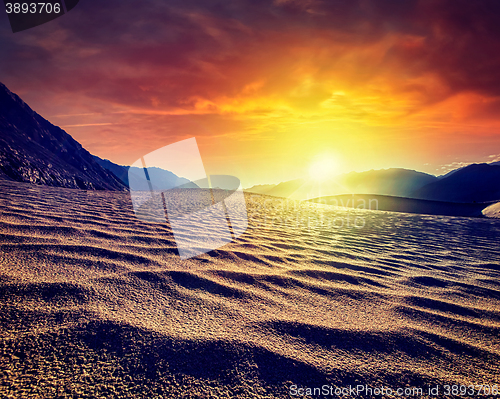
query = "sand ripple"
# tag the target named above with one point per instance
(96, 302)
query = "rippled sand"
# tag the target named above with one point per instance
(493, 211)
(95, 303)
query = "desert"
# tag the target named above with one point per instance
(96, 303)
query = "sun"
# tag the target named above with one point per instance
(322, 169)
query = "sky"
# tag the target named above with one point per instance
(272, 89)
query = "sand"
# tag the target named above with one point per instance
(405, 205)
(96, 303)
(493, 211)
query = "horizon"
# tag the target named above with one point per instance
(315, 168)
(270, 90)
(493, 159)
(463, 165)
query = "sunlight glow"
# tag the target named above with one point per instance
(323, 169)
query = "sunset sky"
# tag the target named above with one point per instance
(269, 88)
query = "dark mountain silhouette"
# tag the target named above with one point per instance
(260, 188)
(164, 179)
(474, 183)
(396, 182)
(286, 189)
(34, 150)
(448, 174)
(121, 172)
(462, 167)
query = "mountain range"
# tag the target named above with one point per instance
(34, 150)
(472, 183)
(395, 181)
(163, 178)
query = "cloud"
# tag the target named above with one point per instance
(259, 68)
(86, 125)
(179, 54)
(452, 166)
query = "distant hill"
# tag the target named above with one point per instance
(260, 188)
(121, 172)
(450, 172)
(164, 178)
(396, 182)
(462, 167)
(476, 182)
(286, 189)
(34, 150)
(473, 183)
(406, 205)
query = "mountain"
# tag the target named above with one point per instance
(286, 189)
(462, 167)
(260, 188)
(474, 183)
(451, 172)
(121, 172)
(395, 182)
(164, 179)
(34, 150)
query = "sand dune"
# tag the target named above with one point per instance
(493, 211)
(96, 303)
(406, 205)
